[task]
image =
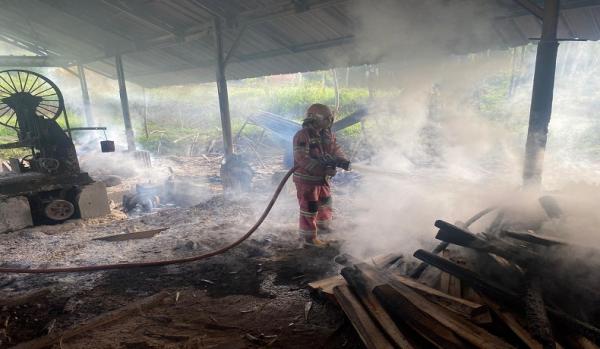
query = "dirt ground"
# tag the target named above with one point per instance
(251, 297)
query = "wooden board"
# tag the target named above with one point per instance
(473, 334)
(386, 260)
(458, 305)
(510, 319)
(326, 286)
(437, 334)
(371, 335)
(362, 287)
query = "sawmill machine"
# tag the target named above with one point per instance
(46, 173)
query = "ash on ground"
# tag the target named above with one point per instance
(251, 296)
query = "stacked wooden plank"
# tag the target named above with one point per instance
(503, 290)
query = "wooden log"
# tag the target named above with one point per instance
(363, 288)
(368, 331)
(506, 296)
(89, 325)
(29, 297)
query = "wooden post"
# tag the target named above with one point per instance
(125, 104)
(542, 96)
(222, 90)
(87, 108)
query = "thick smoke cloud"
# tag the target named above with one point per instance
(455, 158)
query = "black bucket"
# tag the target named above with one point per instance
(107, 146)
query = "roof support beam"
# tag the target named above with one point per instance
(87, 106)
(234, 45)
(542, 96)
(532, 7)
(211, 11)
(34, 61)
(222, 90)
(125, 104)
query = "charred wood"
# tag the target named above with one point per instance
(507, 296)
(535, 310)
(458, 236)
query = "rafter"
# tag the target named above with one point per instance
(532, 7)
(140, 13)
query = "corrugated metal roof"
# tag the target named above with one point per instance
(170, 42)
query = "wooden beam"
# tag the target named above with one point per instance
(476, 336)
(420, 321)
(511, 320)
(536, 238)
(458, 236)
(470, 277)
(363, 287)
(461, 306)
(368, 331)
(325, 286)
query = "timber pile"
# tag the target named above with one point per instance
(498, 289)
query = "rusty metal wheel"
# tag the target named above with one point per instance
(59, 210)
(15, 82)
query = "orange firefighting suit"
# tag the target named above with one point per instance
(312, 184)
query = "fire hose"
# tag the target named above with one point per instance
(99, 267)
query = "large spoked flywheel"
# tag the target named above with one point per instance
(27, 82)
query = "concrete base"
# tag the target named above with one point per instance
(15, 214)
(93, 201)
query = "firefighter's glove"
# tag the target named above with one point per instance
(344, 164)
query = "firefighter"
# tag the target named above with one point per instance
(315, 153)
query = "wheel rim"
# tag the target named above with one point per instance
(59, 210)
(24, 81)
